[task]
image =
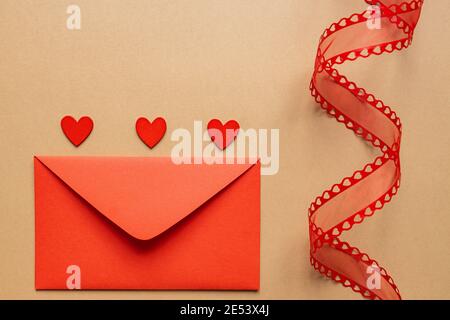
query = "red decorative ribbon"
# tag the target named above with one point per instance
(368, 190)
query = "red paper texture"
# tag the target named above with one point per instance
(147, 223)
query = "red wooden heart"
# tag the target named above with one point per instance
(77, 131)
(151, 132)
(223, 134)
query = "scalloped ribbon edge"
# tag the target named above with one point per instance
(330, 236)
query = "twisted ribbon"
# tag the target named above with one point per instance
(359, 196)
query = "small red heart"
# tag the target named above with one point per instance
(77, 131)
(217, 131)
(151, 132)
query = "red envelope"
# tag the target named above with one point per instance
(146, 223)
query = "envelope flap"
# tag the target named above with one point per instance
(143, 196)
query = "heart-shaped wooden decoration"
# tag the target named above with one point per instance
(151, 132)
(223, 134)
(77, 131)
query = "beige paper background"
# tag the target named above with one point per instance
(246, 60)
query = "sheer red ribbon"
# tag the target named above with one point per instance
(359, 196)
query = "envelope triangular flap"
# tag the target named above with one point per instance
(143, 196)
